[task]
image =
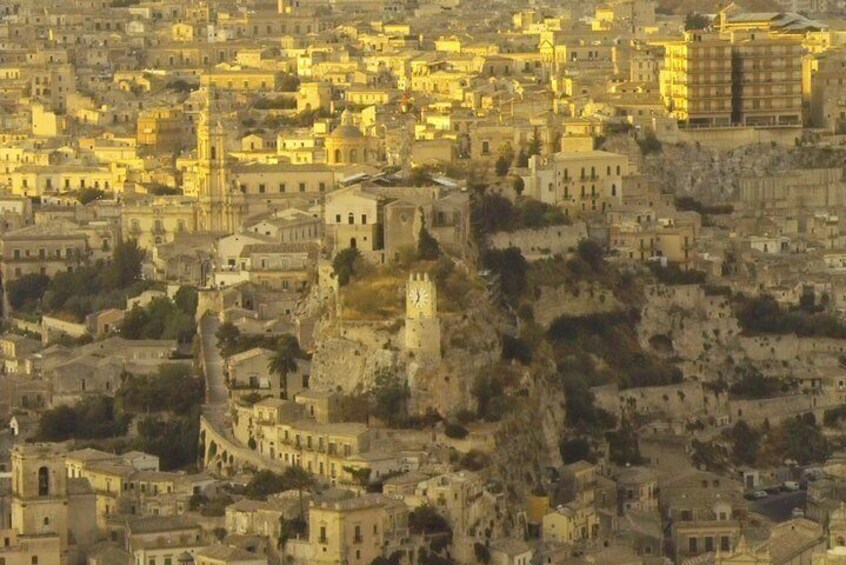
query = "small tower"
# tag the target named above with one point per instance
(422, 326)
(39, 492)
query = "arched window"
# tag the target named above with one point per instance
(213, 152)
(337, 155)
(613, 190)
(353, 155)
(43, 481)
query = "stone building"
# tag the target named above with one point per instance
(346, 145)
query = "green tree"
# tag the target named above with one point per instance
(591, 253)
(263, 484)
(491, 213)
(576, 449)
(536, 214)
(299, 479)
(428, 248)
(426, 520)
(390, 399)
(186, 299)
(24, 293)
(482, 553)
(345, 264)
(696, 21)
(649, 144)
(518, 185)
(522, 159)
(801, 441)
(502, 166)
(511, 267)
(89, 194)
(534, 144)
(93, 417)
(125, 266)
(227, 335)
(745, 443)
(623, 446)
(284, 360)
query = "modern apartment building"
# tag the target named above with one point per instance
(747, 78)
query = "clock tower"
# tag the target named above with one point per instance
(422, 326)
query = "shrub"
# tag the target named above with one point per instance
(345, 265)
(455, 431)
(25, 292)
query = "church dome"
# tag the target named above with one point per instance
(346, 130)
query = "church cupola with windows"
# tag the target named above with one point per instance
(346, 145)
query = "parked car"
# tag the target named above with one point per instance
(797, 513)
(791, 486)
(755, 495)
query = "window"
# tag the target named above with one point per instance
(693, 545)
(357, 535)
(302, 187)
(43, 481)
(281, 187)
(709, 543)
(261, 189)
(322, 534)
(34, 560)
(322, 187)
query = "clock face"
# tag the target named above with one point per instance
(419, 297)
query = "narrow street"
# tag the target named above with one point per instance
(217, 395)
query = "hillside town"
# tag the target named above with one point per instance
(423, 282)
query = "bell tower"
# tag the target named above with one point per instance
(214, 212)
(39, 492)
(422, 325)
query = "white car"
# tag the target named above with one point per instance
(797, 513)
(791, 486)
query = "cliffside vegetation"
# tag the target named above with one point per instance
(763, 315)
(165, 405)
(798, 439)
(75, 294)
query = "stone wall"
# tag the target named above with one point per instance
(55, 326)
(579, 300)
(773, 409)
(680, 401)
(538, 243)
(726, 139)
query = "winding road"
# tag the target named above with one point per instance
(217, 395)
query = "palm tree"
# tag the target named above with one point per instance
(284, 360)
(299, 479)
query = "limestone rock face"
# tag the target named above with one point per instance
(348, 365)
(470, 343)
